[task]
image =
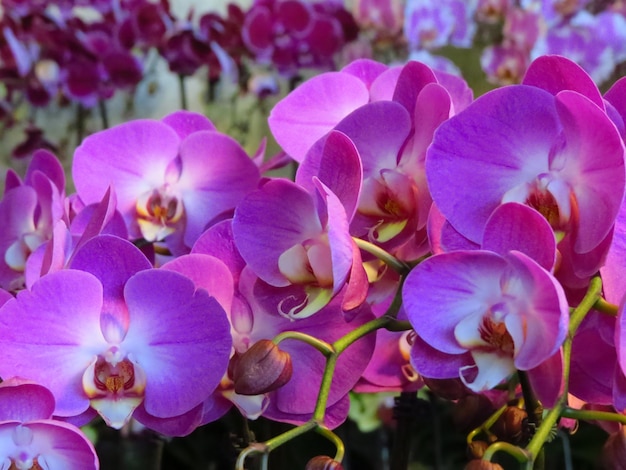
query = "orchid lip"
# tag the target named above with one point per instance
(158, 211)
(115, 386)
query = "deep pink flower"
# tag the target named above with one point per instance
(559, 154)
(130, 337)
(483, 315)
(171, 177)
(29, 438)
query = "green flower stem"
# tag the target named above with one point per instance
(327, 380)
(535, 445)
(322, 346)
(486, 426)
(603, 306)
(591, 298)
(399, 325)
(344, 342)
(518, 453)
(285, 437)
(537, 442)
(391, 261)
(590, 415)
(182, 92)
(104, 115)
(334, 438)
(266, 447)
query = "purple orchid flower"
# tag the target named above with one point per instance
(319, 104)
(430, 26)
(305, 244)
(559, 154)
(30, 438)
(28, 212)
(291, 34)
(172, 177)
(130, 339)
(512, 227)
(254, 312)
(483, 315)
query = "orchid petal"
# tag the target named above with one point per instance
(313, 109)
(52, 333)
(179, 337)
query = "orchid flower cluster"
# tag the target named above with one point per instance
(474, 247)
(72, 51)
(513, 33)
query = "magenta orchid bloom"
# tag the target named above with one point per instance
(29, 211)
(298, 235)
(131, 336)
(172, 177)
(30, 438)
(490, 314)
(558, 154)
(254, 310)
(318, 105)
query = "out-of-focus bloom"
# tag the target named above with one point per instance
(323, 462)
(580, 40)
(30, 438)
(292, 34)
(614, 451)
(430, 26)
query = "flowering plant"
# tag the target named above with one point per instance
(463, 251)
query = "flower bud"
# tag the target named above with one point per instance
(261, 369)
(323, 462)
(476, 449)
(614, 451)
(510, 425)
(479, 464)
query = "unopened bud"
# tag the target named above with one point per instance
(261, 369)
(323, 462)
(614, 451)
(510, 425)
(476, 449)
(479, 464)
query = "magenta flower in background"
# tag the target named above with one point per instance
(558, 154)
(429, 26)
(292, 34)
(29, 211)
(172, 177)
(492, 313)
(29, 438)
(130, 337)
